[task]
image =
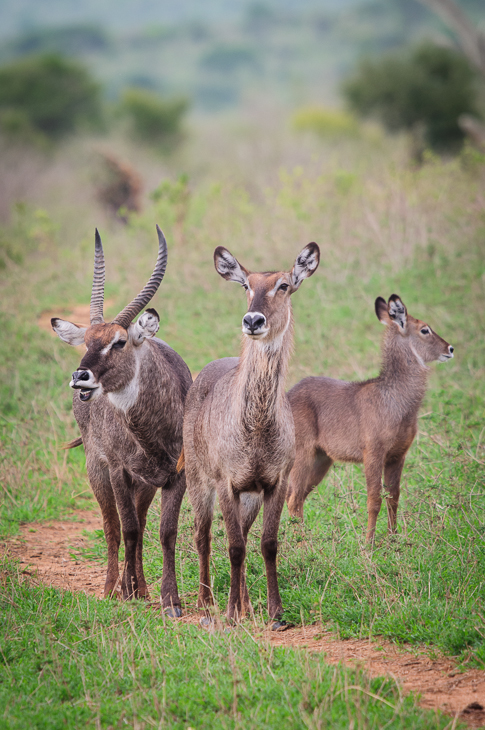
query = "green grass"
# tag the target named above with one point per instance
(388, 229)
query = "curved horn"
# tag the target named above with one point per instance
(148, 292)
(97, 293)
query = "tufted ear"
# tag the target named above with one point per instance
(229, 267)
(305, 265)
(146, 326)
(68, 332)
(397, 311)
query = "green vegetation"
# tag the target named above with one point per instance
(383, 227)
(426, 88)
(327, 123)
(47, 95)
(153, 120)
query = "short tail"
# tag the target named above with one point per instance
(73, 444)
(181, 461)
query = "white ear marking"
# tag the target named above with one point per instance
(146, 326)
(306, 264)
(228, 266)
(68, 332)
(397, 312)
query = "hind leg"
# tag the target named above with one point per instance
(101, 486)
(143, 498)
(308, 471)
(250, 504)
(172, 495)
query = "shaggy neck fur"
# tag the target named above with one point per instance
(403, 375)
(261, 378)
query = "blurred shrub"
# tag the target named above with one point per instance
(424, 89)
(29, 230)
(68, 40)
(48, 94)
(153, 120)
(226, 58)
(325, 122)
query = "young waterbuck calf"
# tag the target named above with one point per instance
(239, 439)
(129, 398)
(373, 422)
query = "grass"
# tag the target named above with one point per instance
(383, 228)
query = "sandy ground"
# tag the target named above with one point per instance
(47, 552)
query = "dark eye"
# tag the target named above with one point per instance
(283, 287)
(119, 345)
(425, 331)
(245, 287)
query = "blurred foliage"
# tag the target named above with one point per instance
(226, 58)
(29, 230)
(49, 95)
(325, 122)
(153, 119)
(427, 87)
(70, 40)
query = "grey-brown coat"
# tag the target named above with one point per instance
(372, 422)
(130, 391)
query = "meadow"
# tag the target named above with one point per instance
(383, 226)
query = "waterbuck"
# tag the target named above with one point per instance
(372, 422)
(239, 439)
(129, 399)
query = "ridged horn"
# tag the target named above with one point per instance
(97, 293)
(129, 313)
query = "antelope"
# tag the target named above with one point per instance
(239, 439)
(372, 422)
(129, 397)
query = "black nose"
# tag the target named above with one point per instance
(80, 375)
(254, 321)
(451, 349)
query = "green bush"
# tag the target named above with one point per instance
(324, 122)
(153, 119)
(49, 94)
(426, 88)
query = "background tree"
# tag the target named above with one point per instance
(424, 91)
(49, 95)
(153, 120)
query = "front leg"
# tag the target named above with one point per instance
(392, 482)
(230, 508)
(273, 506)
(143, 498)
(172, 495)
(373, 465)
(125, 500)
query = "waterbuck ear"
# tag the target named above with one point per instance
(229, 267)
(146, 326)
(397, 311)
(305, 265)
(69, 332)
(382, 311)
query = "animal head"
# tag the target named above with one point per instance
(113, 348)
(423, 342)
(268, 293)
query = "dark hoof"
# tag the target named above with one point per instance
(173, 612)
(280, 626)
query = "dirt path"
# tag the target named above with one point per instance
(48, 552)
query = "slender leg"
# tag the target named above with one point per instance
(308, 471)
(101, 486)
(172, 495)
(373, 465)
(273, 506)
(123, 489)
(230, 507)
(143, 498)
(204, 512)
(392, 482)
(250, 505)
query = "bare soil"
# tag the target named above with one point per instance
(48, 552)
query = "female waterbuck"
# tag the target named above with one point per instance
(239, 439)
(129, 398)
(373, 422)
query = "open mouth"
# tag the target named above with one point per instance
(86, 393)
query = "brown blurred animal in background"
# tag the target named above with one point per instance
(372, 422)
(121, 192)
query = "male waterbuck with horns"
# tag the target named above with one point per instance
(129, 398)
(373, 422)
(239, 439)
